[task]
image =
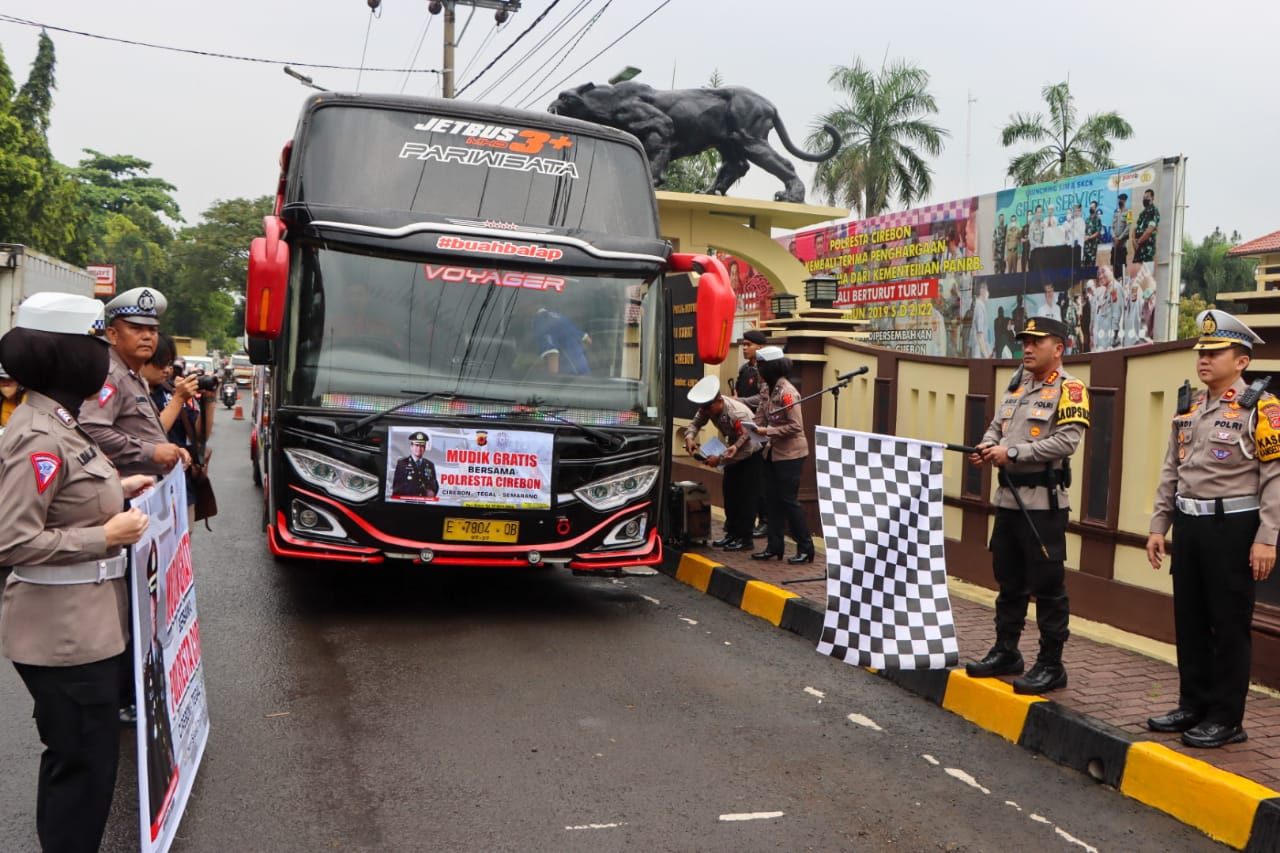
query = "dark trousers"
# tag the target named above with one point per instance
(1119, 256)
(742, 481)
(1022, 571)
(1213, 595)
(782, 485)
(75, 713)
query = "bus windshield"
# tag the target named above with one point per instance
(381, 159)
(365, 333)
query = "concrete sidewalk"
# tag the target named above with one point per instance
(1095, 724)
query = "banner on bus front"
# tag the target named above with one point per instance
(483, 468)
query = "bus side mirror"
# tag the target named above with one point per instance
(268, 281)
(717, 304)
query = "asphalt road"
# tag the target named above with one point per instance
(414, 710)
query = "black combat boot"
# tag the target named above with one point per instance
(1047, 674)
(1003, 659)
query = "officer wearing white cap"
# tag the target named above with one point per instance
(1037, 427)
(779, 419)
(1219, 489)
(125, 422)
(742, 475)
(64, 618)
(415, 474)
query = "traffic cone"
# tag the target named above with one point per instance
(239, 415)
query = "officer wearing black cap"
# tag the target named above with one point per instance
(1219, 489)
(415, 475)
(11, 394)
(64, 620)
(1037, 428)
(747, 389)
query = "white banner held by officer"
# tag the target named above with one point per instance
(173, 710)
(880, 498)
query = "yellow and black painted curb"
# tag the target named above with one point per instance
(1224, 806)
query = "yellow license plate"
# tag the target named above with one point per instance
(480, 530)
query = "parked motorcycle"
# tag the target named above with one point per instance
(228, 394)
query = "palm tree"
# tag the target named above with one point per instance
(1066, 149)
(884, 128)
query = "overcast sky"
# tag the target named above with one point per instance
(1192, 79)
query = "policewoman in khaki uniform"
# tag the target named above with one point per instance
(64, 618)
(741, 459)
(1220, 491)
(1035, 431)
(782, 424)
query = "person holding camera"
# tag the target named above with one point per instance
(185, 404)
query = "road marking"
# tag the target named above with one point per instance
(1012, 803)
(650, 598)
(597, 826)
(1069, 837)
(929, 758)
(687, 619)
(813, 692)
(865, 721)
(751, 816)
(1038, 819)
(956, 773)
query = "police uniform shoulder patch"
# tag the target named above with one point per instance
(106, 393)
(46, 467)
(1073, 405)
(1267, 434)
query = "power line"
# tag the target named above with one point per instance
(213, 54)
(634, 26)
(535, 23)
(563, 22)
(488, 37)
(421, 39)
(576, 40)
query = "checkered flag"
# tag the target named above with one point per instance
(881, 503)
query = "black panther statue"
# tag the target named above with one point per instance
(680, 122)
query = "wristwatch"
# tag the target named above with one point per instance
(1013, 454)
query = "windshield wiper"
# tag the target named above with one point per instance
(604, 439)
(349, 428)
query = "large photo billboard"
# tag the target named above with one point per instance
(960, 278)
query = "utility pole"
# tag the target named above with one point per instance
(502, 11)
(968, 135)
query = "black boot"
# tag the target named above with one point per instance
(1003, 659)
(1048, 672)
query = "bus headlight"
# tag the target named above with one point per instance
(337, 478)
(614, 491)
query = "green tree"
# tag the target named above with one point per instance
(885, 131)
(696, 173)
(1067, 147)
(1188, 309)
(19, 168)
(210, 265)
(53, 217)
(1207, 270)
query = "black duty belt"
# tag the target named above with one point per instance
(1047, 479)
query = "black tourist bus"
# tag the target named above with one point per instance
(464, 311)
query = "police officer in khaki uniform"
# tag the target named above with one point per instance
(1220, 490)
(741, 459)
(1038, 426)
(125, 423)
(64, 619)
(780, 421)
